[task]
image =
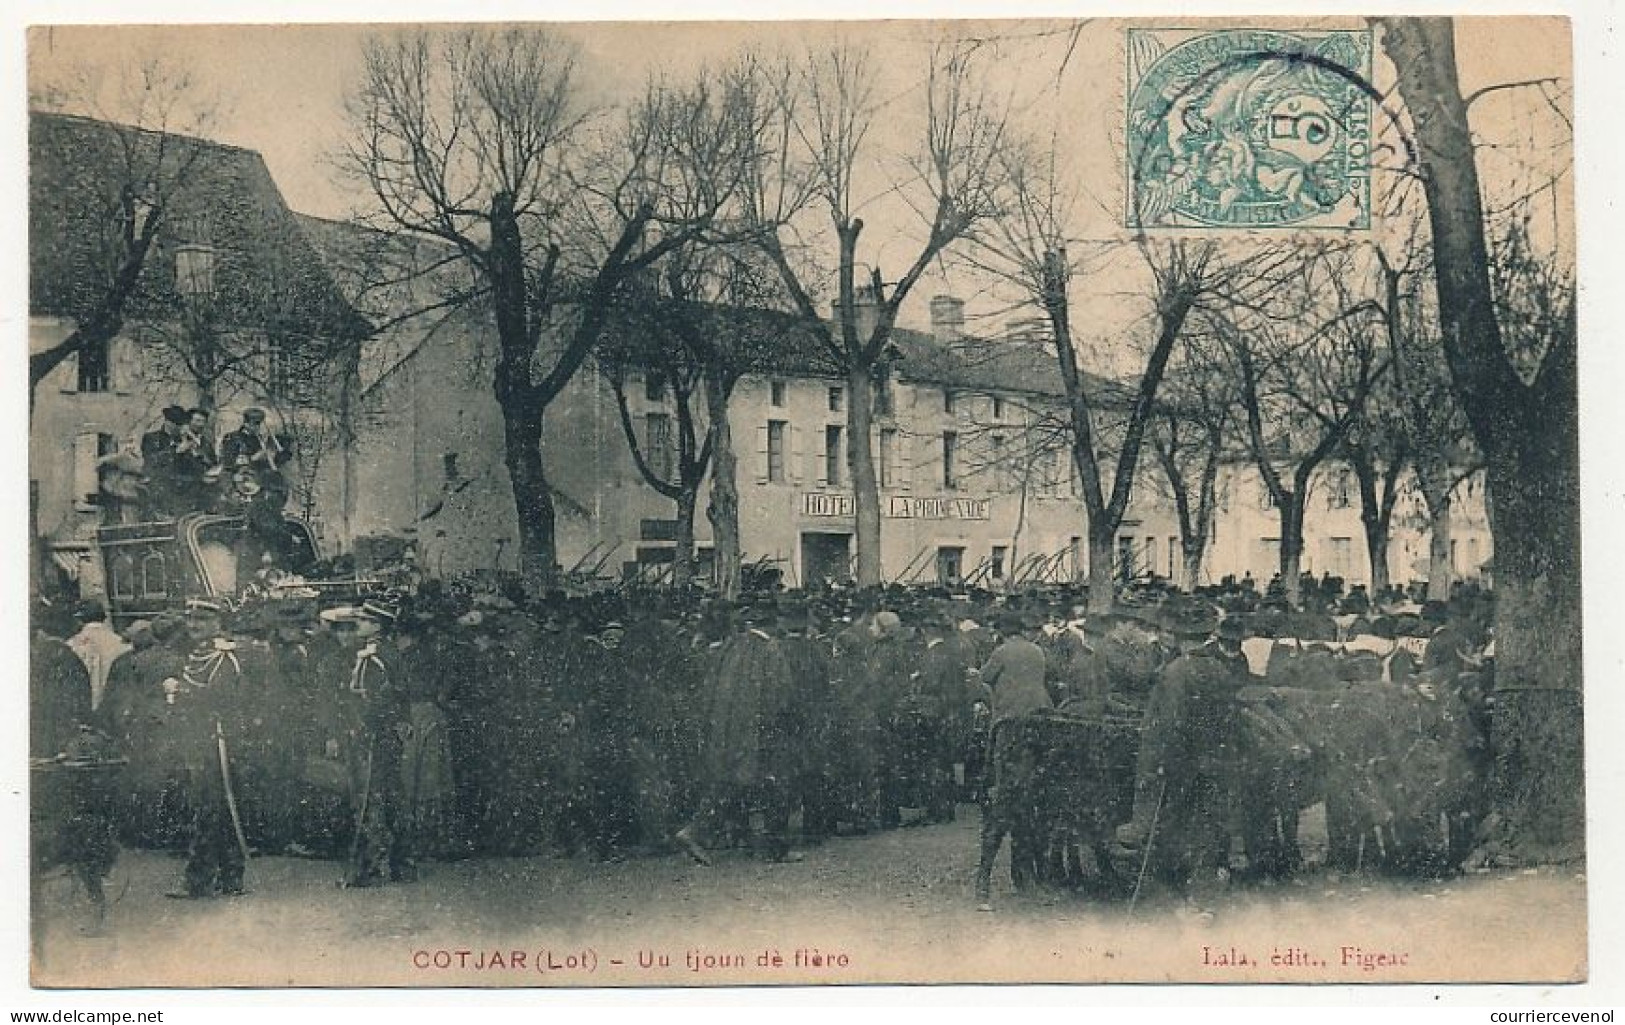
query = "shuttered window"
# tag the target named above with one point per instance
(776, 441)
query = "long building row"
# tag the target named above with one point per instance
(406, 439)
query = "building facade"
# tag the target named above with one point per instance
(232, 308)
(401, 437)
(976, 483)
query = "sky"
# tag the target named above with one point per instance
(281, 90)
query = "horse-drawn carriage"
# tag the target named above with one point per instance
(152, 567)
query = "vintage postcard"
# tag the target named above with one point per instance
(727, 503)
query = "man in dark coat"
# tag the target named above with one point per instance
(367, 711)
(611, 725)
(1014, 675)
(1449, 641)
(166, 495)
(892, 659)
(138, 714)
(946, 697)
(1186, 770)
(255, 456)
(59, 684)
(744, 760)
(812, 708)
(855, 749)
(209, 729)
(1080, 668)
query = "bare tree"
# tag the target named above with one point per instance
(1027, 246)
(1507, 322)
(1417, 416)
(1189, 435)
(1305, 369)
(698, 327)
(150, 123)
(475, 138)
(835, 115)
(671, 457)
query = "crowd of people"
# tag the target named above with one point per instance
(453, 722)
(178, 468)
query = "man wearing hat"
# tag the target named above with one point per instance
(1187, 760)
(255, 446)
(59, 685)
(943, 686)
(161, 459)
(361, 706)
(136, 713)
(1448, 643)
(255, 455)
(1014, 675)
(209, 730)
(812, 709)
(1015, 672)
(743, 756)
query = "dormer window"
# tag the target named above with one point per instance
(194, 271)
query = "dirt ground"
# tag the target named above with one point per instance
(893, 907)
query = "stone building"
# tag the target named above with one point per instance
(401, 437)
(232, 308)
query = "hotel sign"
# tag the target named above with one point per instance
(815, 503)
(899, 507)
(937, 508)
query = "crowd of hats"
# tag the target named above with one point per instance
(543, 734)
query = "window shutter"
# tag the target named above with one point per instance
(798, 456)
(84, 469)
(903, 451)
(761, 454)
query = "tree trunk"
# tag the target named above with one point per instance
(1375, 527)
(1194, 549)
(518, 397)
(1102, 575)
(1529, 435)
(1375, 511)
(1376, 544)
(1441, 570)
(860, 459)
(723, 509)
(1537, 731)
(1292, 546)
(532, 496)
(682, 567)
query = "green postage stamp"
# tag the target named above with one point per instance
(1249, 128)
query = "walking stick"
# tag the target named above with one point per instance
(231, 794)
(361, 813)
(1150, 839)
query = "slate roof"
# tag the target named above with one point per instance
(267, 274)
(781, 342)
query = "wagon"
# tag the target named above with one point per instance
(71, 823)
(1060, 783)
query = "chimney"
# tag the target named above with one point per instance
(947, 319)
(865, 303)
(1028, 331)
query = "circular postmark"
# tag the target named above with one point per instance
(1249, 128)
